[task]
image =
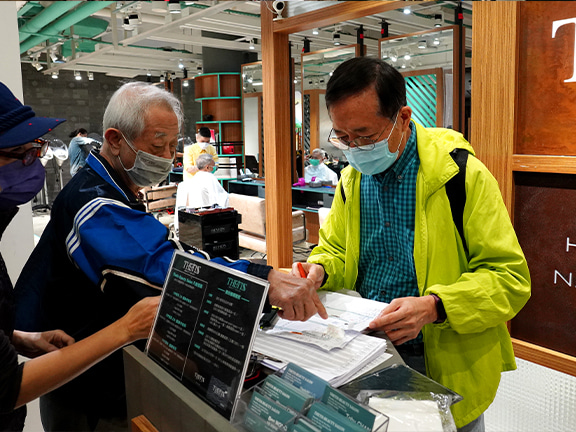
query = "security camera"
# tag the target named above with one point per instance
(279, 7)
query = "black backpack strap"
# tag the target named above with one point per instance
(342, 192)
(456, 191)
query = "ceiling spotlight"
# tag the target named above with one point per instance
(55, 75)
(174, 6)
(133, 19)
(336, 38)
(403, 66)
(148, 73)
(252, 44)
(161, 78)
(331, 72)
(53, 56)
(385, 54)
(295, 81)
(436, 41)
(315, 31)
(180, 64)
(185, 83)
(38, 66)
(250, 79)
(126, 24)
(77, 75)
(90, 76)
(406, 10)
(438, 20)
(393, 56)
(407, 55)
(422, 44)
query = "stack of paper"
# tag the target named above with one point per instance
(334, 349)
(337, 366)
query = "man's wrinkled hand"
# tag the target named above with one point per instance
(296, 296)
(404, 317)
(35, 344)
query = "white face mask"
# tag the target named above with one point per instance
(203, 145)
(148, 169)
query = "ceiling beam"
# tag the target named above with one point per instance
(183, 20)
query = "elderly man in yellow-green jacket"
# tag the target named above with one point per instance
(391, 236)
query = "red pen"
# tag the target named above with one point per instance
(301, 269)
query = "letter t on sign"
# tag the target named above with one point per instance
(555, 26)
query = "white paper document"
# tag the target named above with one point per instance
(337, 366)
(347, 316)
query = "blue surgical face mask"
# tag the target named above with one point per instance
(19, 183)
(374, 161)
(314, 162)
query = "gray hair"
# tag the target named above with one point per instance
(318, 152)
(129, 105)
(203, 160)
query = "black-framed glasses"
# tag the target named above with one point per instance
(361, 143)
(38, 149)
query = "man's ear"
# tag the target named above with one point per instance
(113, 138)
(405, 116)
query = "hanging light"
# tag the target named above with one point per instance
(174, 6)
(252, 44)
(55, 75)
(438, 20)
(336, 38)
(90, 76)
(315, 31)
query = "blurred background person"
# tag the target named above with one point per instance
(317, 170)
(191, 153)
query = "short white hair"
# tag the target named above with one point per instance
(203, 160)
(318, 152)
(129, 105)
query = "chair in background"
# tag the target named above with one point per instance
(253, 227)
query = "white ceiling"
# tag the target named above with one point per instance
(233, 24)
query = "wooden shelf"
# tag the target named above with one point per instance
(544, 163)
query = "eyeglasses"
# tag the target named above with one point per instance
(38, 150)
(361, 143)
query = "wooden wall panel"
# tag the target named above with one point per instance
(494, 83)
(546, 103)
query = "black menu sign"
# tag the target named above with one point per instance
(205, 327)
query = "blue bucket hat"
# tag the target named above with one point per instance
(18, 123)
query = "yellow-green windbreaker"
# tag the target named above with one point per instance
(480, 292)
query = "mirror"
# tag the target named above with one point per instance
(252, 117)
(317, 68)
(428, 61)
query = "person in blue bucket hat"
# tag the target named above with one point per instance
(56, 358)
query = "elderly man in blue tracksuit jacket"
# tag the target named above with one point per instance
(101, 252)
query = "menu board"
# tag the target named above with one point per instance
(205, 326)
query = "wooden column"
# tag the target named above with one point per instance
(494, 89)
(277, 141)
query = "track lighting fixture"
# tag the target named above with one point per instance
(422, 44)
(90, 76)
(174, 7)
(315, 32)
(77, 76)
(438, 20)
(252, 44)
(336, 38)
(180, 64)
(407, 10)
(55, 75)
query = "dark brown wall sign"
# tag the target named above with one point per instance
(545, 222)
(547, 79)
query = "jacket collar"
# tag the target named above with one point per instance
(105, 170)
